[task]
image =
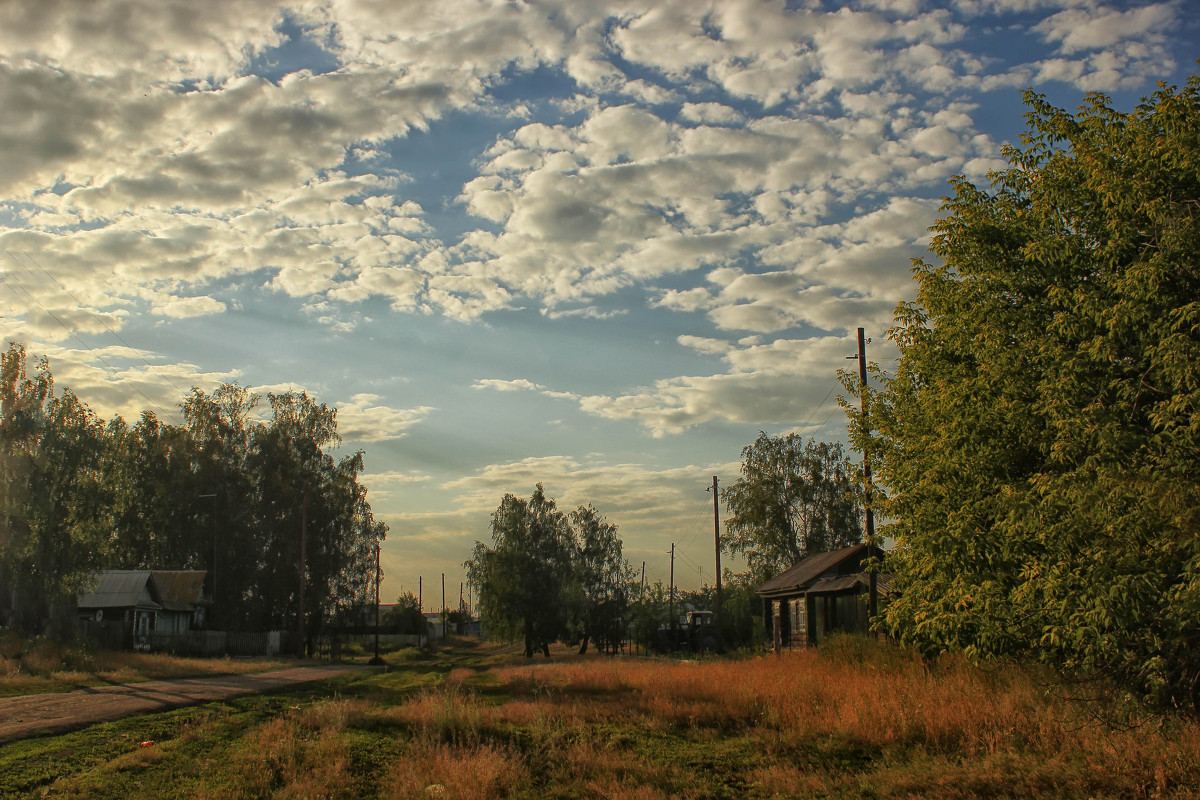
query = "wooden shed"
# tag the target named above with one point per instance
(137, 603)
(824, 593)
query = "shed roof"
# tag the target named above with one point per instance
(120, 588)
(840, 583)
(795, 579)
(180, 590)
(835, 584)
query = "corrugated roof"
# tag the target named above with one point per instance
(837, 584)
(118, 588)
(179, 590)
(794, 579)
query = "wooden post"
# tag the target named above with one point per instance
(303, 567)
(378, 574)
(717, 535)
(872, 587)
(671, 604)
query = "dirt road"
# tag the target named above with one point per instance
(30, 715)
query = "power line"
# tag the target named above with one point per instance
(818, 406)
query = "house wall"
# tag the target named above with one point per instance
(173, 622)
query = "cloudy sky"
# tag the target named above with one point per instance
(598, 245)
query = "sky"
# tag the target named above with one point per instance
(597, 245)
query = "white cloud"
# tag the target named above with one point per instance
(363, 419)
(181, 307)
(703, 344)
(710, 114)
(516, 385)
(1097, 28)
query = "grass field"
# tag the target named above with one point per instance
(852, 721)
(46, 666)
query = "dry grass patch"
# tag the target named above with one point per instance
(819, 716)
(284, 759)
(459, 771)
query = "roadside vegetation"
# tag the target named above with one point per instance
(852, 720)
(41, 665)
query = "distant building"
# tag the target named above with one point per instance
(823, 594)
(133, 604)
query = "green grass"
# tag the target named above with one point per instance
(481, 722)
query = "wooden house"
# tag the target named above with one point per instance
(133, 604)
(824, 593)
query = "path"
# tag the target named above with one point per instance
(30, 715)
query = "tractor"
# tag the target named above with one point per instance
(696, 632)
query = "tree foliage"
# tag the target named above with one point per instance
(223, 493)
(548, 575)
(1040, 438)
(602, 579)
(795, 497)
(405, 616)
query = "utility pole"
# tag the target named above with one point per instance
(303, 567)
(212, 575)
(873, 589)
(642, 594)
(421, 606)
(672, 593)
(376, 661)
(717, 534)
(443, 606)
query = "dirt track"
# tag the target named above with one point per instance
(31, 715)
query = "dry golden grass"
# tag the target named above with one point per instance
(47, 667)
(973, 724)
(287, 759)
(851, 721)
(463, 772)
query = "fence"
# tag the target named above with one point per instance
(208, 644)
(215, 643)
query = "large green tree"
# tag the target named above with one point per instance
(524, 578)
(223, 493)
(550, 576)
(55, 507)
(795, 497)
(603, 579)
(1040, 437)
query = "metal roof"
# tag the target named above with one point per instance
(837, 584)
(793, 581)
(180, 590)
(120, 588)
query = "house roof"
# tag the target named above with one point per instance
(836, 584)
(840, 583)
(180, 590)
(120, 588)
(172, 590)
(794, 580)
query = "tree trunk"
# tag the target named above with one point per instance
(583, 645)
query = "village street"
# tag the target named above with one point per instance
(30, 715)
